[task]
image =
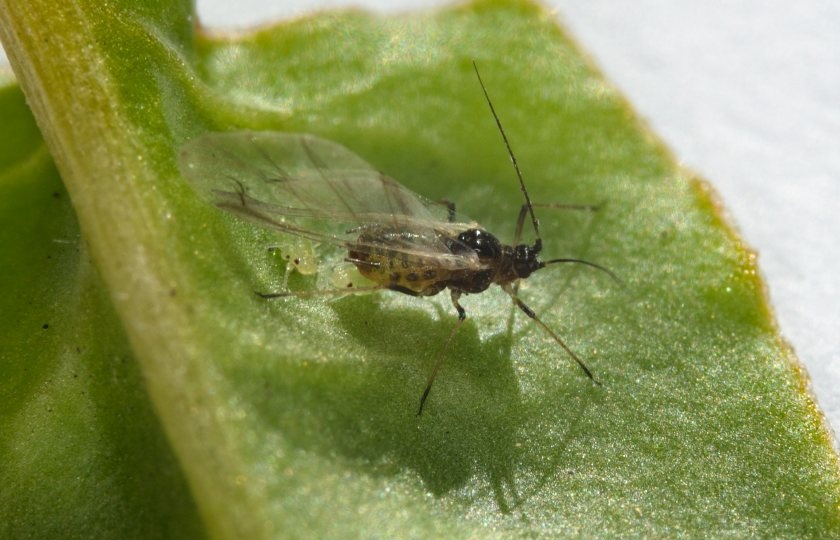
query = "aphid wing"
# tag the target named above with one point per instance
(307, 186)
(298, 175)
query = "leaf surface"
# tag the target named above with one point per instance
(295, 418)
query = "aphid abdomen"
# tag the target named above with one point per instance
(397, 272)
(414, 275)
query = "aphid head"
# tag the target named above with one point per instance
(525, 260)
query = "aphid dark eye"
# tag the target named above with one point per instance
(482, 242)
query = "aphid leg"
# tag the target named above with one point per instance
(286, 273)
(320, 292)
(520, 221)
(442, 352)
(286, 267)
(450, 209)
(530, 313)
(570, 206)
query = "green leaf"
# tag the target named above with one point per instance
(82, 453)
(296, 417)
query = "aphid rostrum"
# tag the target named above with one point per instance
(316, 189)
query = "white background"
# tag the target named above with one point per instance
(745, 92)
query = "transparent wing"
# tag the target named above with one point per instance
(311, 187)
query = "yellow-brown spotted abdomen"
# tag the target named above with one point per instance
(397, 271)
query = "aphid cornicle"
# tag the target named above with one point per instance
(316, 189)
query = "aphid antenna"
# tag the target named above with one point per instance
(586, 263)
(538, 242)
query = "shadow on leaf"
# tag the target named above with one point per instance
(477, 425)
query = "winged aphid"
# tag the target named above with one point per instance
(318, 190)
